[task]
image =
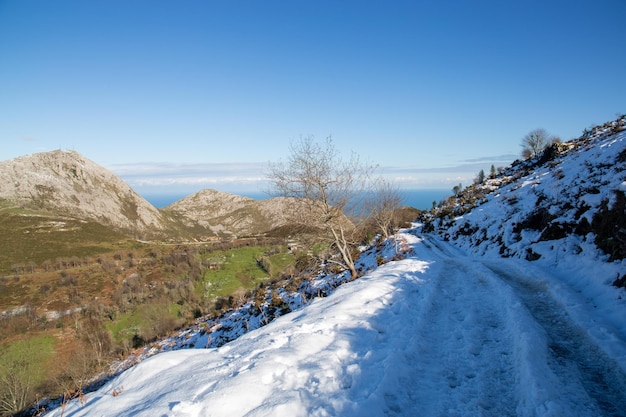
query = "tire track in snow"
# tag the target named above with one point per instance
(458, 361)
(577, 378)
(584, 370)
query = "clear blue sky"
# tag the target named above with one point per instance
(176, 96)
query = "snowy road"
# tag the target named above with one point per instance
(460, 359)
(594, 382)
(533, 359)
(439, 334)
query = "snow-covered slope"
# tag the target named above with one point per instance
(566, 210)
(564, 213)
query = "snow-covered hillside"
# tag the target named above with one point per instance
(571, 203)
(504, 310)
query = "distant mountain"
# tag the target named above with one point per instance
(215, 213)
(66, 183)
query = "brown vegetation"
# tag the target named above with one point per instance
(83, 302)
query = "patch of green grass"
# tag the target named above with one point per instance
(125, 326)
(238, 268)
(27, 359)
(145, 321)
(281, 261)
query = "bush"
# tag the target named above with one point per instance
(609, 225)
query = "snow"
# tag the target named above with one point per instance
(452, 329)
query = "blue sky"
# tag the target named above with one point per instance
(176, 96)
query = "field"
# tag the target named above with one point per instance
(24, 365)
(30, 239)
(242, 269)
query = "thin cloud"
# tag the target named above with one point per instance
(160, 176)
(165, 175)
(443, 177)
(507, 158)
(466, 165)
(167, 169)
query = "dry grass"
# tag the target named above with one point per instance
(29, 238)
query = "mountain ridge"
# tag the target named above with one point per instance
(217, 213)
(65, 183)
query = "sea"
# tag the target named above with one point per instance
(420, 199)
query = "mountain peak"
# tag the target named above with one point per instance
(66, 183)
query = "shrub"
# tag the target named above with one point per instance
(609, 225)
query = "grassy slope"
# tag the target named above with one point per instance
(31, 237)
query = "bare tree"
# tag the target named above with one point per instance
(535, 142)
(326, 188)
(99, 341)
(383, 205)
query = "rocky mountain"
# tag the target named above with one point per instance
(65, 183)
(214, 213)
